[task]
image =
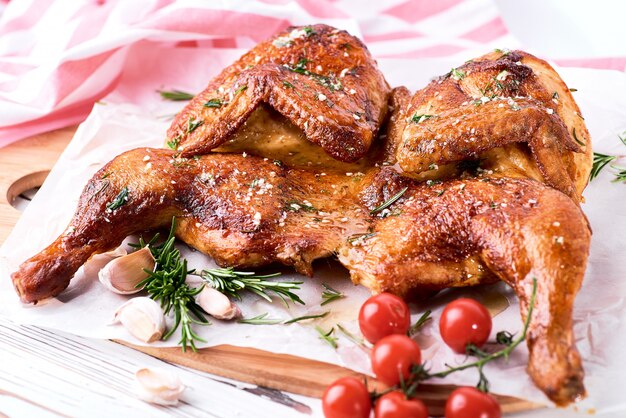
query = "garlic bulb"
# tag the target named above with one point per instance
(98, 261)
(143, 318)
(123, 274)
(158, 386)
(217, 304)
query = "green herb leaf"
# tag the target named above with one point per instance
(327, 336)
(330, 295)
(232, 283)
(599, 162)
(174, 143)
(304, 318)
(457, 74)
(240, 90)
(421, 118)
(216, 102)
(120, 200)
(389, 202)
(175, 95)
(260, 320)
(193, 124)
(360, 237)
(420, 322)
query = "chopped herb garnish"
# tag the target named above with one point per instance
(175, 95)
(457, 74)
(389, 202)
(304, 318)
(240, 89)
(193, 124)
(174, 143)
(327, 336)
(330, 295)
(421, 118)
(120, 200)
(294, 206)
(278, 163)
(260, 320)
(288, 85)
(351, 336)
(572, 90)
(309, 31)
(578, 141)
(420, 322)
(360, 237)
(214, 103)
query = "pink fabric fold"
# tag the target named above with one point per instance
(57, 57)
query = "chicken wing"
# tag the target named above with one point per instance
(510, 111)
(323, 80)
(251, 211)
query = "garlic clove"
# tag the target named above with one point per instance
(217, 304)
(143, 318)
(123, 274)
(98, 261)
(158, 386)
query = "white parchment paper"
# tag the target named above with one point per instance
(134, 116)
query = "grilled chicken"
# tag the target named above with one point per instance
(251, 211)
(321, 79)
(510, 112)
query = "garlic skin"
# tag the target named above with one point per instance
(98, 261)
(217, 304)
(143, 318)
(122, 274)
(158, 386)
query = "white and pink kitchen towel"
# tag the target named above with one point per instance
(58, 57)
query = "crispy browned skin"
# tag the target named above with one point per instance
(249, 212)
(320, 78)
(489, 106)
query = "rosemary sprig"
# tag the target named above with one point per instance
(166, 285)
(260, 320)
(193, 124)
(330, 294)
(389, 202)
(360, 237)
(599, 162)
(304, 318)
(420, 322)
(232, 282)
(175, 95)
(419, 372)
(216, 102)
(327, 336)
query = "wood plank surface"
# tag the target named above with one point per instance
(25, 164)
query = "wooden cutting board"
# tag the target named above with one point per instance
(25, 165)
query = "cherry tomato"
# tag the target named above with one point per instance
(464, 321)
(383, 315)
(396, 405)
(346, 398)
(393, 355)
(468, 402)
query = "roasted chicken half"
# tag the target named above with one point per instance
(250, 211)
(323, 80)
(510, 112)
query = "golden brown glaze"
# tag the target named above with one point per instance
(321, 79)
(250, 211)
(510, 110)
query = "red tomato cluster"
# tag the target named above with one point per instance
(384, 320)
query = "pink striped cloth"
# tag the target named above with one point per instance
(57, 57)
